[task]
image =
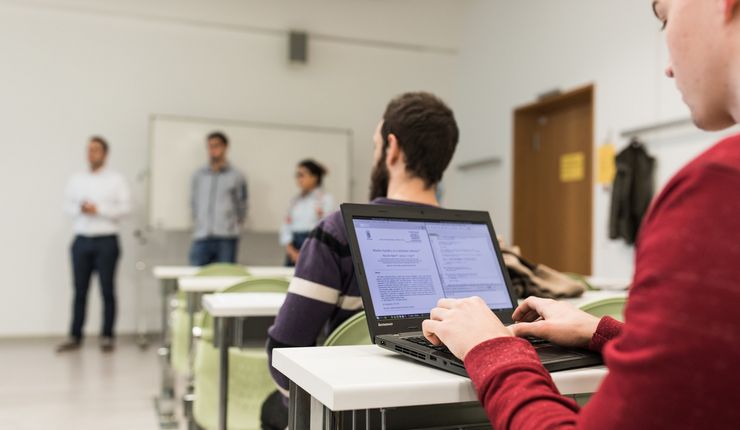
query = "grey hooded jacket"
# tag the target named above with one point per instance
(218, 202)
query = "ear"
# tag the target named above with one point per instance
(729, 7)
(393, 152)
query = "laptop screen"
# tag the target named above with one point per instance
(411, 264)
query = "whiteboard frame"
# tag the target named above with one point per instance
(348, 132)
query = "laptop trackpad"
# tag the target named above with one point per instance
(548, 353)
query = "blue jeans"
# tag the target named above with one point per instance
(213, 250)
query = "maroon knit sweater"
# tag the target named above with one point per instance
(675, 363)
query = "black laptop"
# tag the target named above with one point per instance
(408, 257)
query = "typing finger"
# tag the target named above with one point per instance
(428, 328)
(447, 303)
(531, 304)
(530, 316)
(536, 329)
(438, 314)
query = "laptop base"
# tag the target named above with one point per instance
(554, 358)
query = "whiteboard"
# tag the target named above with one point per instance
(266, 154)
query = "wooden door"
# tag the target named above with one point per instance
(553, 168)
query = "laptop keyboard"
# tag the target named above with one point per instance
(421, 340)
(535, 340)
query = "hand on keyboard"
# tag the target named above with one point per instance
(558, 322)
(462, 324)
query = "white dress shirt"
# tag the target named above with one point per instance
(108, 191)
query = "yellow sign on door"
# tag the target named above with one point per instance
(572, 167)
(607, 163)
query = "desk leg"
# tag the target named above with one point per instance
(224, 337)
(191, 297)
(299, 408)
(190, 391)
(165, 401)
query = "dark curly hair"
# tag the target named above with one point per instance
(426, 131)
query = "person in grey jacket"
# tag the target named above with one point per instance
(219, 206)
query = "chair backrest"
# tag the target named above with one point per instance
(613, 307)
(351, 332)
(223, 269)
(260, 285)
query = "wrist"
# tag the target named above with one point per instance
(482, 340)
(589, 330)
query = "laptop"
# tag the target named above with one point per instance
(408, 257)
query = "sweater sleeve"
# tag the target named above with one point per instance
(514, 387)
(666, 362)
(312, 297)
(608, 329)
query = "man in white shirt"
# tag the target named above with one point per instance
(97, 199)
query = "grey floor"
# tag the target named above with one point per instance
(86, 389)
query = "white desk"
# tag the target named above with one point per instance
(603, 283)
(174, 272)
(354, 378)
(226, 309)
(235, 305)
(208, 284)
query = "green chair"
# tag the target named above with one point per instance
(613, 307)
(351, 332)
(180, 321)
(250, 381)
(223, 269)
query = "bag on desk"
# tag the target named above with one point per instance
(538, 280)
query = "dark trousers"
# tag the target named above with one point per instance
(94, 254)
(213, 250)
(298, 239)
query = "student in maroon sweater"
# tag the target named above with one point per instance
(675, 362)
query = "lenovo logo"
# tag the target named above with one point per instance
(385, 324)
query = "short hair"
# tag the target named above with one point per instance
(426, 131)
(220, 136)
(101, 141)
(315, 169)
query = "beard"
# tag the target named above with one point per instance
(379, 179)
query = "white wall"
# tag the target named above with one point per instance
(78, 68)
(513, 51)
